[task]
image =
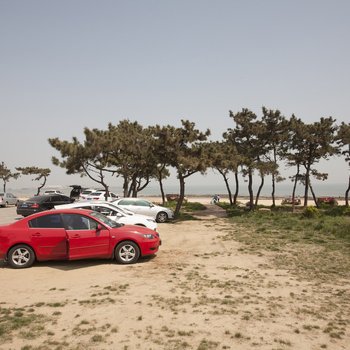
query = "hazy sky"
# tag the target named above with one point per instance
(66, 65)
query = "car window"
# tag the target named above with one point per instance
(79, 222)
(96, 193)
(126, 202)
(105, 220)
(60, 198)
(89, 207)
(47, 221)
(142, 203)
(113, 195)
(103, 210)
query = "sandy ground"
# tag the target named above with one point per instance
(198, 292)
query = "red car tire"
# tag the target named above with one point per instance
(21, 256)
(127, 252)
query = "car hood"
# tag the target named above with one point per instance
(135, 229)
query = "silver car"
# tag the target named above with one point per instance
(145, 207)
(7, 199)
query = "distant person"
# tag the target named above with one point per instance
(215, 199)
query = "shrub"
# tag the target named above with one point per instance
(310, 212)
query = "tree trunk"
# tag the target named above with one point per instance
(182, 196)
(250, 190)
(106, 189)
(259, 190)
(125, 187)
(295, 187)
(273, 190)
(160, 180)
(347, 194)
(237, 189)
(161, 189)
(313, 194)
(4, 187)
(132, 188)
(307, 181)
(141, 187)
(227, 186)
(40, 187)
(274, 180)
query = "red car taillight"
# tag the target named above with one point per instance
(35, 205)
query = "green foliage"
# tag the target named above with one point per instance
(187, 206)
(6, 175)
(41, 174)
(337, 211)
(319, 225)
(311, 212)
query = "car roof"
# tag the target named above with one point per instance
(64, 211)
(84, 203)
(42, 197)
(133, 199)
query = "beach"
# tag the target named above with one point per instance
(198, 292)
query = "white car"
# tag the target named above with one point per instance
(85, 193)
(7, 199)
(100, 196)
(113, 212)
(145, 207)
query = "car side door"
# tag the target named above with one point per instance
(48, 237)
(11, 199)
(143, 207)
(86, 237)
(130, 205)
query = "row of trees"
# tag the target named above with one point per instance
(253, 146)
(40, 174)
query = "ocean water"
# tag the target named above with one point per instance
(282, 190)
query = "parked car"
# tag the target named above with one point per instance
(327, 200)
(52, 192)
(114, 212)
(7, 198)
(85, 193)
(40, 203)
(145, 207)
(101, 196)
(71, 234)
(289, 200)
(173, 197)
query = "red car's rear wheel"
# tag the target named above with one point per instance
(21, 256)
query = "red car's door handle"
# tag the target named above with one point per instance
(36, 234)
(75, 236)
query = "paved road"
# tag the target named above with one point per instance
(8, 215)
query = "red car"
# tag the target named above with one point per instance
(327, 200)
(71, 234)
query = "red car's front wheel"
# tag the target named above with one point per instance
(127, 252)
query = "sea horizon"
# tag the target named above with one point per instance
(282, 190)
